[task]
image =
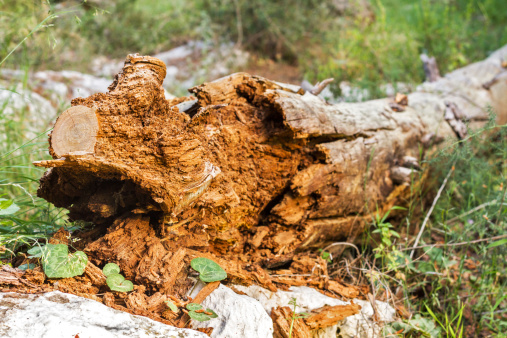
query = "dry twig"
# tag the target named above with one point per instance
(431, 209)
(455, 244)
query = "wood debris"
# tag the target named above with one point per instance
(330, 315)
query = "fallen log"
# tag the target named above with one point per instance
(259, 164)
(249, 172)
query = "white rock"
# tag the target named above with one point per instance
(307, 298)
(57, 314)
(238, 316)
(27, 108)
(360, 325)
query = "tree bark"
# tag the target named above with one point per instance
(253, 168)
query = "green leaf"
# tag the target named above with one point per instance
(25, 267)
(117, 282)
(497, 243)
(58, 263)
(199, 316)
(111, 268)
(4, 204)
(37, 251)
(171, 305)
(425, 267)
(7, 207)
(209, 271)
(213, 315)
(194, 306)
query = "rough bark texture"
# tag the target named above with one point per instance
(249, 175)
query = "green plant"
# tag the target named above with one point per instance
(387, 49)
(209, 271)
(386, 250)
(57, 262)
(26, 266)
(110, 268)
(452, 327)
(197, 312)
(115, 280)
(172, 306)
(7, 207)
(38, 218)
(268, 27)
(295, 315)
(326, 256)
(413, 327)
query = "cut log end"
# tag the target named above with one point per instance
(75, 131)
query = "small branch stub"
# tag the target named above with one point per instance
(75, 131)
(430, 68)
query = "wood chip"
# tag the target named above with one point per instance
(282, 321)
(330, 315)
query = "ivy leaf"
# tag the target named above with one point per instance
(209, 271)
(171, 305)
(213, 315)
(117, 282)
(25, 267)
(194, 306)
(7, 207)
(199, 316)
(37, 251)
(111, 268)
(58, 263)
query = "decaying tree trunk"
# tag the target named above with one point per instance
(252, 170)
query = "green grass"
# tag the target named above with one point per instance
(19, 181)
(312, 34)
(77, 33)
(387, 51)
(462, 286)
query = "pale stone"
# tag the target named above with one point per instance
(238, 316)
(56, 314)
(360, 325)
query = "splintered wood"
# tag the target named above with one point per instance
(282, 318)
(330, 315)
(303, 325)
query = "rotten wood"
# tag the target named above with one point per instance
(456, 119)
(347, 291)
(199, 298)
(430, 68)
(10, 276)
(16, 280)
(330, 315)
(95, 274)
(250, 173)
(292, 173)
(282, 318)
(501, 74)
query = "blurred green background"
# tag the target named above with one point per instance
(365, 42)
